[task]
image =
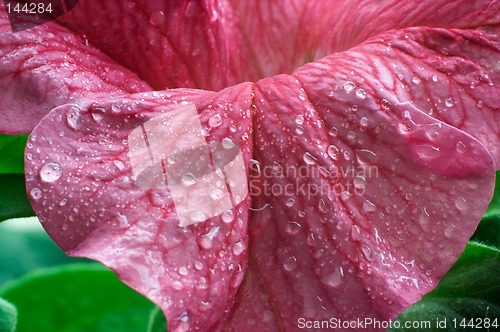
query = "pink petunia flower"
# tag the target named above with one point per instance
(368, 131)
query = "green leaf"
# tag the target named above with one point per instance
(77, 298)
(12, 152)
(157, 321)
(32, 248)
(469, 290)
(13, 200)
(488, 231)
(494, 207)
(8, 317)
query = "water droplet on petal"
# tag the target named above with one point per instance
(177, 285)
(299, 119)
(367, 252)
(215, 121)
(188, 179)
(334, 279)
(355, 233)
(363, 122)
(460, 147)
(73, 118)
(290, 263)
(361, 93)
(198, 216)
(415, 80)
(461, 204)
(228, 143)
(238, 248)
(428, 152)
(183, 271)
(157, 18)
(369, 206)
(333, 152)
(449, 102)
(309, 158)
(98, 114)
(36, 193)
(334, 132)
(349, 86)
(299, 130)
(292, 228)
(479, 104)
(63, 202)
(198, 266)
(50, 172)
(227, 216)
(289, 202)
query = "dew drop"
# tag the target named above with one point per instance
(36, 193)
(415, 80)
(479, 104)
(333, 152)
(334, 132)
(448, 102)
(63, 202)
(228, 143)
(461, 204)
(349, 86)
(97, 114)
(347, 155)
(198, 266)
(367, 252)
(73, 118)
(157, 18)
(355, 233)
(309, 158)
(434, 78)
(206, 243)
(216, 194)
(385, 104)
(183, 271)
(119, 164)
(238, 248)
(290, 263)
(359, 182)
(424, 218)
(177, 285)
(322, 207)
(50, 172)
(369, 206)
(360, 93)
(198, 216)
(428, 152)
(363, 122)
(115, 108)
(188, 179)
(299, 119)
(292, 228)
(227, 216)
(334, 279)
(460, 147)
(215, 121)
(290, 202)
(299, 130)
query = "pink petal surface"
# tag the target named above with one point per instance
(168, 43)
(401, 105)
(48, 66)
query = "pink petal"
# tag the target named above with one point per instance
(81, 184)
(37, 73)
(381, 211)
(168, 43)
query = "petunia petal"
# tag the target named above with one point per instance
(47, 66)
(82, 184)
(169, 44)
(352, 199)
